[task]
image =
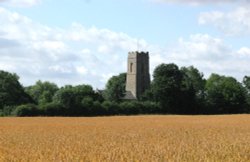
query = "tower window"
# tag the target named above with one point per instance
(131, 67)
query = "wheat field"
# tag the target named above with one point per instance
(135, 138)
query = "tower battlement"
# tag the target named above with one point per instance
(138, 78)
(136, 53)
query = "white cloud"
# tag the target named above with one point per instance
(244, 52)
(232, 23)
(209, 55)
(77, 55)
(60, 69)
(65, 56)
(203, 46)
(236, 22)
(20, 3)
(82, 70)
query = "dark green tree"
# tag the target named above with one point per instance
(65, 96)
(115, 88)
(193, 89)
(225, 95)
(11, 91)
(42, 92)
(246, 83)
(27, 110)
(196, 78)
(167, 87)
(75, 99)
(53, 109)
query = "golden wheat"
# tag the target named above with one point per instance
(140, 138)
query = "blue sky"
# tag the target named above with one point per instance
(87, 41)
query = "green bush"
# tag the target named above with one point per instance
(8, 110)
(151, 107)
(97, 109)
(111, 108)
(131, 107)
(27, 110)
(53, 109)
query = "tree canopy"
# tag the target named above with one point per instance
(11, 91)
(42, 92)
(173, 90)
(115, 87)
(225, 94)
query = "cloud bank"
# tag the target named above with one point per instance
(211, 55)
(232, 23)
(235, 22)
(90, 55)
(66, 56)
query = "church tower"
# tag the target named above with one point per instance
(138, 79)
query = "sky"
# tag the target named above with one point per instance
(87, 41)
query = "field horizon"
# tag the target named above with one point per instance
(126, 138)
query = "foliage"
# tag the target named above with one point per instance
(173, 90)
(225, 95)
(53, 109)
(75, 99)
(111, 108)
(42, 92)
(193, 89)
(131, 107)
(96, 109)
(195, 78)
(115, 87)
(8, 110)
(27, 110)
(11, 91)
(246, 84)
(167, 87)
(151, 107)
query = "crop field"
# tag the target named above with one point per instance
(135, 138)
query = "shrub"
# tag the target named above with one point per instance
(97, 109)
(53, 109)
(8, 110)
(27, 110)
(151, 107)
(111, 108)
(131, 107)
(86, 106)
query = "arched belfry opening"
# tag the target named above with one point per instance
(138, 78)
(131, 67)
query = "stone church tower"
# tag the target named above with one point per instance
(138, 79)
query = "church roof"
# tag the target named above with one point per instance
(129, 96)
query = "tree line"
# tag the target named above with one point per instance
(173, 90)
